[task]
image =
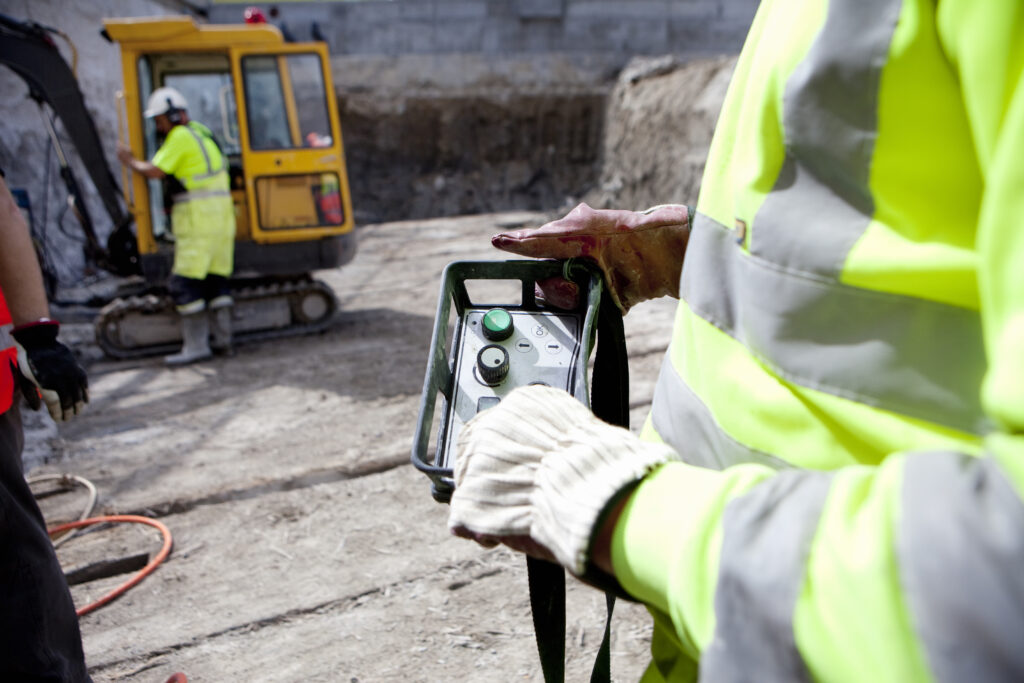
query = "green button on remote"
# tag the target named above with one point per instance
(497, 324)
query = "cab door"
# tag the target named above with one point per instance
(292, 155)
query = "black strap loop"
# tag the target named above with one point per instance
(609, 400)
(547, 603)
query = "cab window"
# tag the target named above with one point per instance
(211, 101)
(286, 102)
(204, 80)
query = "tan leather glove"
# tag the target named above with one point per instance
(536, 471)
(640, 252)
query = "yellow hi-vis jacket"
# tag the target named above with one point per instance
(203, 218)
(845, 381)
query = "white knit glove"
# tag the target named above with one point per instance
(539, 468)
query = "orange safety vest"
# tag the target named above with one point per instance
(7, 356)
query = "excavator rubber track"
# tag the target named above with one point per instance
(149, 325)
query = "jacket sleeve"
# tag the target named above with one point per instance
(911, 570)
(169, 157)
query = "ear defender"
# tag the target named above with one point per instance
(173, 113)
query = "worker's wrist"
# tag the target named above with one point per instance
(44, 320)
(601, 542)
(40, 332)
(599, 571)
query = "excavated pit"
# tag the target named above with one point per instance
(631, 142)
(447, 155)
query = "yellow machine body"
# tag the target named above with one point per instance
(271, 106)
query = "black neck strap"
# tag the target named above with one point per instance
(609, 400)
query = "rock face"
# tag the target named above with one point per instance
(26, 153)
(658, 127)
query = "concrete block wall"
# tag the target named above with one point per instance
(619, 28)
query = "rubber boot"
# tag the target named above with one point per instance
(195, 331)
(220, 330)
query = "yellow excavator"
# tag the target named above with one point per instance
(271, 107)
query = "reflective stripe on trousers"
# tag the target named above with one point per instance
(182, 197)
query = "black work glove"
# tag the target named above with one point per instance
(48, 369)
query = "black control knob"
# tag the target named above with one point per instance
(497, 324)
(492, 363)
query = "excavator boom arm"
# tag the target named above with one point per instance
(30, 52)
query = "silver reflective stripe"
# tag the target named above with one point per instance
(207, 176)
(198, 194)
(210, 171)
(686, 424)
(911, 356)
(191, 307)
(821, 203)
(784, 301)
(961, 557)
(766, 538)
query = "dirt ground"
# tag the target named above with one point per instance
(306, 547)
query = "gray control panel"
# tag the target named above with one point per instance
(489, 339)
(500, 350)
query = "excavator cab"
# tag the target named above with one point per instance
(271, 108)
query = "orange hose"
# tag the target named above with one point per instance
(143, 573)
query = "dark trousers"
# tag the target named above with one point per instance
(39, 636)
(185, 290)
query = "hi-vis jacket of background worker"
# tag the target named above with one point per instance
(845, 381)
(202, 218)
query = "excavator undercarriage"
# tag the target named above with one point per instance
(264, 308)
(269, 300)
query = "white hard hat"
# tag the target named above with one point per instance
(162, 100)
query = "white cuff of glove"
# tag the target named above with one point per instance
(540, 465)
